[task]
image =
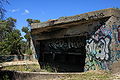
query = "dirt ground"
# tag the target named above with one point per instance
(90, 75)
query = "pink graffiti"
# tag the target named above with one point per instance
(119, 33)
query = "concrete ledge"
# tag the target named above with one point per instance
(17, 75)
(15, 63)
(81, 17)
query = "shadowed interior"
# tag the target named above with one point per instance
(64, 54)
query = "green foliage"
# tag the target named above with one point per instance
(6, 77)
(30, 68)
(25, 29)
(30, 21)
(28, 51)
(36, 21)
(10, 38)
(27, 36)
(48, 68)
(23, 46)
(63, 17)
(11, 41)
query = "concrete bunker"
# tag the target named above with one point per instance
(63, 47)
(78, 43)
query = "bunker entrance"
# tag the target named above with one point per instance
(64, 54)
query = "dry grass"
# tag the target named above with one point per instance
(90, 75)
(30, 68)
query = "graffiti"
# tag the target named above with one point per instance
(119, 33)
(116, 33)
(98, 53)
(115, 56)
(65, 45)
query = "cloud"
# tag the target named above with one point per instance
(26, 12)
(14, 10)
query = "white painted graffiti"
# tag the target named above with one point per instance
(98, 45)
(65, 44)
(99, 48)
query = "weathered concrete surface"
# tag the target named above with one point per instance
(99, 31)
(16, 75)
(82, 18)
(15, 63)
(8, 58)
(115, 68)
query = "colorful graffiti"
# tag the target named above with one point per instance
(116, 33)
(98, 52)
(116, 43)
(119, 33)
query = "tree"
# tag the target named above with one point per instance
(27, 29)
(11, 40)
(2, 9)
(6, 26)
(27, 35)
(12, 43)
(30, 21)
(11, 23)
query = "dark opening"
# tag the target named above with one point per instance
(63, 55)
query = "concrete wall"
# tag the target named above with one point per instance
(16, 75)
(103, 48)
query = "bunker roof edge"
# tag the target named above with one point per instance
(81, 17)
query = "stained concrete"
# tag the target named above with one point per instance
(99, 29)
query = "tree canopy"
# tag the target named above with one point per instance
(2, 9)
(11, 40)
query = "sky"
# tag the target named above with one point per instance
(44, 10)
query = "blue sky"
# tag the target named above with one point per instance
(53, 9)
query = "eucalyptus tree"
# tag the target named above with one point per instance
(10, 37)
(27, 30)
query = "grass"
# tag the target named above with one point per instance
(91, 75)
(30, 68)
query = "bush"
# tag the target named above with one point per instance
(28, 51)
